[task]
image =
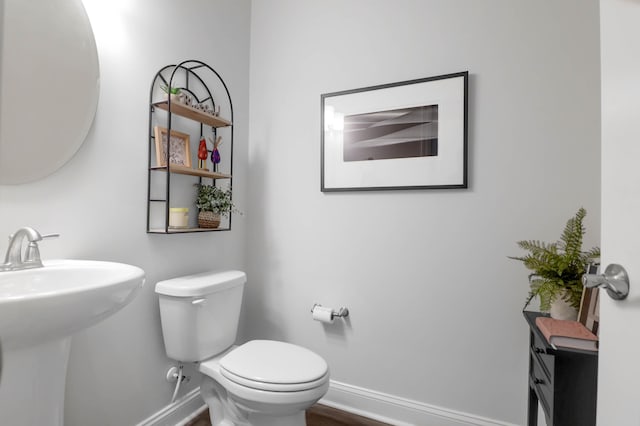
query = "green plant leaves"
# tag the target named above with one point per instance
(557, 268)
(213, 199)
(171, 90)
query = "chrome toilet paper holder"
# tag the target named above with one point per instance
(342, 312)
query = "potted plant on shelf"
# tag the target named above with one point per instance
(212, 203)
(557, 269)
(174, 93)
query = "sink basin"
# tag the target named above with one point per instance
(62, 298)
(40, 309)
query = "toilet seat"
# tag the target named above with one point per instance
(274, 366)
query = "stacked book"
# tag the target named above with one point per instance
(567, 334)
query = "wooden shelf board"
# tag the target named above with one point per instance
(174, 168)
(193, 114)
(184, 230)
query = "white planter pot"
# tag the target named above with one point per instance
(175, 98)
(562, 310)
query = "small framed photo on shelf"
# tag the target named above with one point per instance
(405, 135)
(589, 313)
(178, 145)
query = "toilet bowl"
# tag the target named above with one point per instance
(259, 383)
(269, 382)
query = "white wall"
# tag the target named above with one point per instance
(97, 201)
(435, 303)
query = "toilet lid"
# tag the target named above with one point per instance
(273, 365)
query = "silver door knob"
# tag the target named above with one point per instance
(615, 280)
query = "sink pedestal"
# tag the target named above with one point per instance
(33, 383)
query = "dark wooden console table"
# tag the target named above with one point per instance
(564, 381)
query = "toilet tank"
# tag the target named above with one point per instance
(200, 313)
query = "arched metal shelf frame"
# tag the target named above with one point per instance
(193, 77)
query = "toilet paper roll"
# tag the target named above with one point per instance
(323, 314)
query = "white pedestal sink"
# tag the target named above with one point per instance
(40, 309)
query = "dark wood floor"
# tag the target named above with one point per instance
(318, 415)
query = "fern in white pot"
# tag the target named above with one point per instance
(557, 268)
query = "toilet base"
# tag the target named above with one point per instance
(255, 419)
(227, 409)
(297, 419)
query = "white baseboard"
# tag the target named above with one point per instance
(364, 402)
(398, 411)
(178, 413)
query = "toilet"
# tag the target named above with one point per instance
(259, 383)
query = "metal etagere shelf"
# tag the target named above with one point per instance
(200, 116)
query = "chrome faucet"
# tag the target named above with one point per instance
(13, 260)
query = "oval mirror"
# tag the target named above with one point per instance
(49, 86)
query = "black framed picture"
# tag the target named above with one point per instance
(405, 135)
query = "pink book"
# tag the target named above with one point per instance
(568, 334)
